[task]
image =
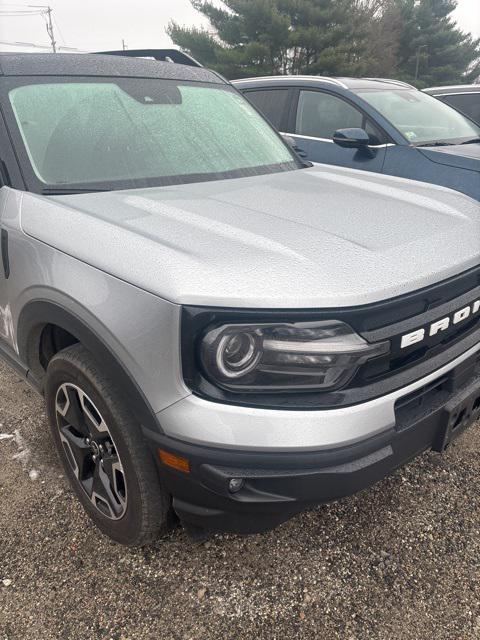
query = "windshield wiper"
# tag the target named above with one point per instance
(471, 141)
(436, 143)
(57, 191)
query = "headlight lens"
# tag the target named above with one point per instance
(237, 354)
(295, 356)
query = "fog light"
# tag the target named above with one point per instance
(235, 485)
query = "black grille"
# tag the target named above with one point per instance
(413, 305)
(400, 359)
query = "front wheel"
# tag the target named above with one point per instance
(101, 447)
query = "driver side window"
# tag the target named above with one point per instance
(320, 114)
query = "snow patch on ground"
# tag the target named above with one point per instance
(23, 454)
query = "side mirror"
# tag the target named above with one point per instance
(351, 138)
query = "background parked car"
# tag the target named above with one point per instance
(464, 98)
(373, 124)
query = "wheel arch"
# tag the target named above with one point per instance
(37, 315)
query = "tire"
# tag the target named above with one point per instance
(102, 450)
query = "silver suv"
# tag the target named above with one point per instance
(219, 330)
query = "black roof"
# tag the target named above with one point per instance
(72, 64)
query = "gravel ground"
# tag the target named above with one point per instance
(399, 561)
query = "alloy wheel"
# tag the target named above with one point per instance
(91, 451)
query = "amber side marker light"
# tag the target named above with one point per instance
(176, 462)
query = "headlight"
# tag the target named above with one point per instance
(293, 356)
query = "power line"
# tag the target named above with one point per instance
(24, 44)
(33, 45)
(38, 10)
(43, 10)
(20, 14)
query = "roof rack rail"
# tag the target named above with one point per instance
(399, 82)
(332, 80)
(162, 55)
(292, 78)
(454, 86)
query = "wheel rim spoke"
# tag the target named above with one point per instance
(113, 469)
(102, 495)
(91, 416)
(69, 407)
(78, 450)
(91, 451)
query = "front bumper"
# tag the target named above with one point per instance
(279, 484)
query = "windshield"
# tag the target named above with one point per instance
(124, 133)
(419, 117)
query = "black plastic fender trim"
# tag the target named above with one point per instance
(39, 313)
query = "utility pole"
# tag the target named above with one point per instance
(417, 66)
(50, 29)
(48, 11)
(124, 46)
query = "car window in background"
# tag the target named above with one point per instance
(121, 130)
(420, 117)
(467, 103)
(271, 102)
(376, 136)
(319, 115)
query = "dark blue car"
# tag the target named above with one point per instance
(373, 124)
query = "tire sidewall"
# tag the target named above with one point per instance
(125, 529)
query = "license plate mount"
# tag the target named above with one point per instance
(458, 414)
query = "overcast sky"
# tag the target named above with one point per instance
(96, 25)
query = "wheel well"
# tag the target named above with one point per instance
(46, 328)
(43, 343)
(52, 340)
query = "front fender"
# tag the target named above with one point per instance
(39, 313)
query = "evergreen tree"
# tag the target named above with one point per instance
(415, 40)
(383, 24)
(262, 37)
(432, 49)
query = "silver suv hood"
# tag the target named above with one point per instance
(319, 237)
